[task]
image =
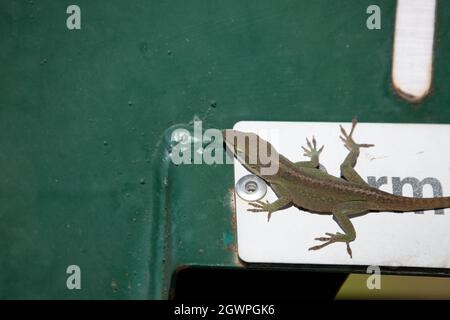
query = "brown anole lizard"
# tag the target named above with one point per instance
(303, 185)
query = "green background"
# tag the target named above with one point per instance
(86, 116)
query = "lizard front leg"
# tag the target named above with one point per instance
(347, 167)
(259, 206)
(341, 214)
(311, 152)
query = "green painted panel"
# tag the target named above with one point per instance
(86, 115)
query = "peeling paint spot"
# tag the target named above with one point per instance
(232, 248)
(232, 201)
(228, 239)
(114, 286)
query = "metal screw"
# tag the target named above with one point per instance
(251, 188)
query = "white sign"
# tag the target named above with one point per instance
(406, 158)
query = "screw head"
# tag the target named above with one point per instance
(251, 188)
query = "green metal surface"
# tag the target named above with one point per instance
(86, 116)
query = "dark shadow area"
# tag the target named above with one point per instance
(234, 284)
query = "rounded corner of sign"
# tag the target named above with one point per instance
(244, 256)
(414, 98)
(239, 125)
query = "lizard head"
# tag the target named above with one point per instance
(254, 153)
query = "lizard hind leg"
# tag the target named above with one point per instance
(347, 167)
(332, 238)
(342, 215)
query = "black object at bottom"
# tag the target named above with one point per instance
(208, 284)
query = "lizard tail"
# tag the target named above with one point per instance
(404, 204)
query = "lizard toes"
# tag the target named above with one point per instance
(256, 205)
(322, 239)
(320, 246)
(349, 250)
(256, 210)
(366, 145)
(344, 133)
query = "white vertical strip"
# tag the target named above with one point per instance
(412, 66)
